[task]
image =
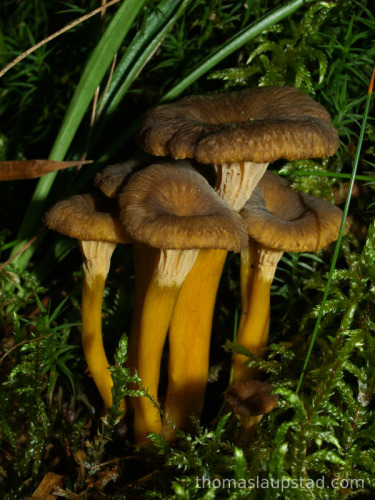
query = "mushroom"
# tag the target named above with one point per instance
(250, 400)
(240, 133)
(94, 223)
(172, 209)
(278, 220)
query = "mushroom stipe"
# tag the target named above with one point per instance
(95, 270)
(149, 331)
(189, 339)
(254, 322)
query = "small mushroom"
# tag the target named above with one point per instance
(94, 223)
(172, 209)
(250, 400)
(240, 133)
(278, 220)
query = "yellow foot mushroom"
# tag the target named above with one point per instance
(94, 223)
(278, 220)
(171, 208)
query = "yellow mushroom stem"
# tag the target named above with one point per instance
(246, 431)
(189, 339)
(249, 260)
(253, 329)
(171, 268)
(145, 259)
(96, 262)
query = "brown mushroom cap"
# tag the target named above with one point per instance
(171, 207)
(258, 125)
(282, 219)
(87, 218)
(250, 398)
(112, 178)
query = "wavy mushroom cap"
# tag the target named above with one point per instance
(282, 219)
(171, 207)
(254, 125)
(87, 217)
(113, 178)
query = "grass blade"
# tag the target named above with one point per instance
(221, 53)
(141, 50)
(94, 72)
(30, 169)
(234, 44)
(338, 243)
(338, 175)
(54, 35)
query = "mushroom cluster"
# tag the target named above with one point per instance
(182, 229)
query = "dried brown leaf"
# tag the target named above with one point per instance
(30, 169)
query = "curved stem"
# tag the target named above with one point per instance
(97, 257)
(156, 297)
(144, 264)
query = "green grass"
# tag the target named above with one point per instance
(50, 417)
